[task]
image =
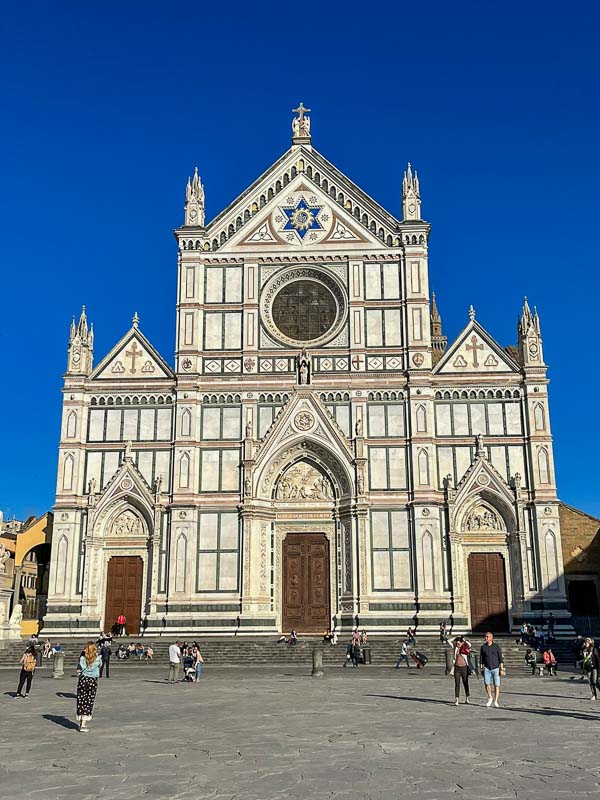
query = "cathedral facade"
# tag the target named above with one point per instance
(318, 456)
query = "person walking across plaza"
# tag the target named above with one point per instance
(198, 662)
(174, 662)
(87, 685)
(403, 655)
(27, 663)
(492, 667)
(460, 667)
(105, 654)
(591, 666)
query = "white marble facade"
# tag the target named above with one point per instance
(312, 391)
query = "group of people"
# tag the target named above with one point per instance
(537, 637)
(548, 662)
(188, 656)
(491, 663)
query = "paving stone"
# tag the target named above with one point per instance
(271, 734)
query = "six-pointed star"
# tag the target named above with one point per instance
(302, 218)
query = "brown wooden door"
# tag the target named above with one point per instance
(306, 583)
(487, 587)
(124, 592)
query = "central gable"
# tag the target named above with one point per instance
(302, 201)
(133, 357)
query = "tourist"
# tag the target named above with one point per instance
(139, 650)
(578, 646)
(174, 662)
(56, 649)
(121, 623)
(87, 685)
(122, 653)
(293, 640)
(149, 654)
(355, 636)
(189, 665)
(356, 653)
(492, 667)
(411, 638)
(349, 647)
(442, 631)
(27, 663)
(328, 635)
(550, 661)
(46, 653)
(403, 655)
(531, 660)
(131, 648)
(363, 640)
(460, 667)
(105, 654)
(591, 666)
(199, 661)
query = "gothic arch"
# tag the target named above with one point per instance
(62, 554)
(427, 559)
(68, 469)
(539, 417)
(181, 546)
(502, 514)
(543, 465)
(551, 561)
(184, 471)
(71, 424)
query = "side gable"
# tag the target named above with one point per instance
(474, 351)
(132, 357)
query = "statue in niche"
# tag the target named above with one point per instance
(249, 428)
(303, 369)
(158, 484)
(247, 485)
(482, 519)
(92, 486)
(127, 524)
(304, 482)
(4, 556)
(358, 428)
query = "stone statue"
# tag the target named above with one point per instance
(301, 124)
(247, 485)
(158, 484)
(4, 556)
(360, 484)
(358, 428)
(249, 428)
(303, 368)
(17, 616)
(92, 486)
(128, 454)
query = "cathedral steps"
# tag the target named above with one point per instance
(241, 651)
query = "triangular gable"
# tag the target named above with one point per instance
(356, 216)
(304, 415)
(132, 357)
(475, 351)
(302, 217)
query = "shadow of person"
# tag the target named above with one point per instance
(67, 695)
(11, 694)
(62, 721)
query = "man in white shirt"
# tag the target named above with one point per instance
(174, 662)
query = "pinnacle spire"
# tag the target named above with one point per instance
(411, 196)
(82, 327)
(471, 313)
(136, 320)
(439, 342)
(194, 200)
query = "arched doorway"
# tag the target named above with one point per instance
(304, 495)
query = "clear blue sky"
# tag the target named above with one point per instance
(106, 110)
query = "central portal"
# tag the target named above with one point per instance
(306, 583)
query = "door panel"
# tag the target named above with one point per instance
(487, 588)
(124, 592)
(306, 582)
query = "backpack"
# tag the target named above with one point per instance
(29, 664)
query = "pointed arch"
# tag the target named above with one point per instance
(181, 561)
(539, 417)
(62, 553)
(184, 471)
(186, 422)
(68, 470)
(543, 465)
(421, 419)
(423, 467)
(71, 424)
(427, 561)
(551, 561)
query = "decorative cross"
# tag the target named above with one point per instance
(301, 111)
(134, 353)
(356, 361)
(474, 347)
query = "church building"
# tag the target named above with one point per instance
(318, 455)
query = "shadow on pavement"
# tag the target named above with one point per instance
(63, 721)
(68, 695)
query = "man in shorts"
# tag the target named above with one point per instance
(492, 666)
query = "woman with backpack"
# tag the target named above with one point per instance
(27, 669)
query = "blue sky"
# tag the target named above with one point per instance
(106, 112)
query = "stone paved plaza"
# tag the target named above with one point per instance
(276, 733)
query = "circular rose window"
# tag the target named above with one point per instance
(304, 305)
(304, 310)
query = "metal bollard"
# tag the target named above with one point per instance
(317, 668)
(58, 665)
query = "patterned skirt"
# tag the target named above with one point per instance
(86, 695)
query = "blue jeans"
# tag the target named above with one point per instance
(403, 658)
(491, 676)
(198, 669)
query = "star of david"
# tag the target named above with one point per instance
(302, 218)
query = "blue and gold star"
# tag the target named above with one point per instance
(302, 218)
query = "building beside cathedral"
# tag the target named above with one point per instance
(318, 454)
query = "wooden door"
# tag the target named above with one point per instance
(487, 588)
(124, 592)
(306, 583)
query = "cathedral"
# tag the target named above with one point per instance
(318, 455)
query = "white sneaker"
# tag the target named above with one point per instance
(456, 701)
(466, 701)
(496, 704)
(489, 702)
